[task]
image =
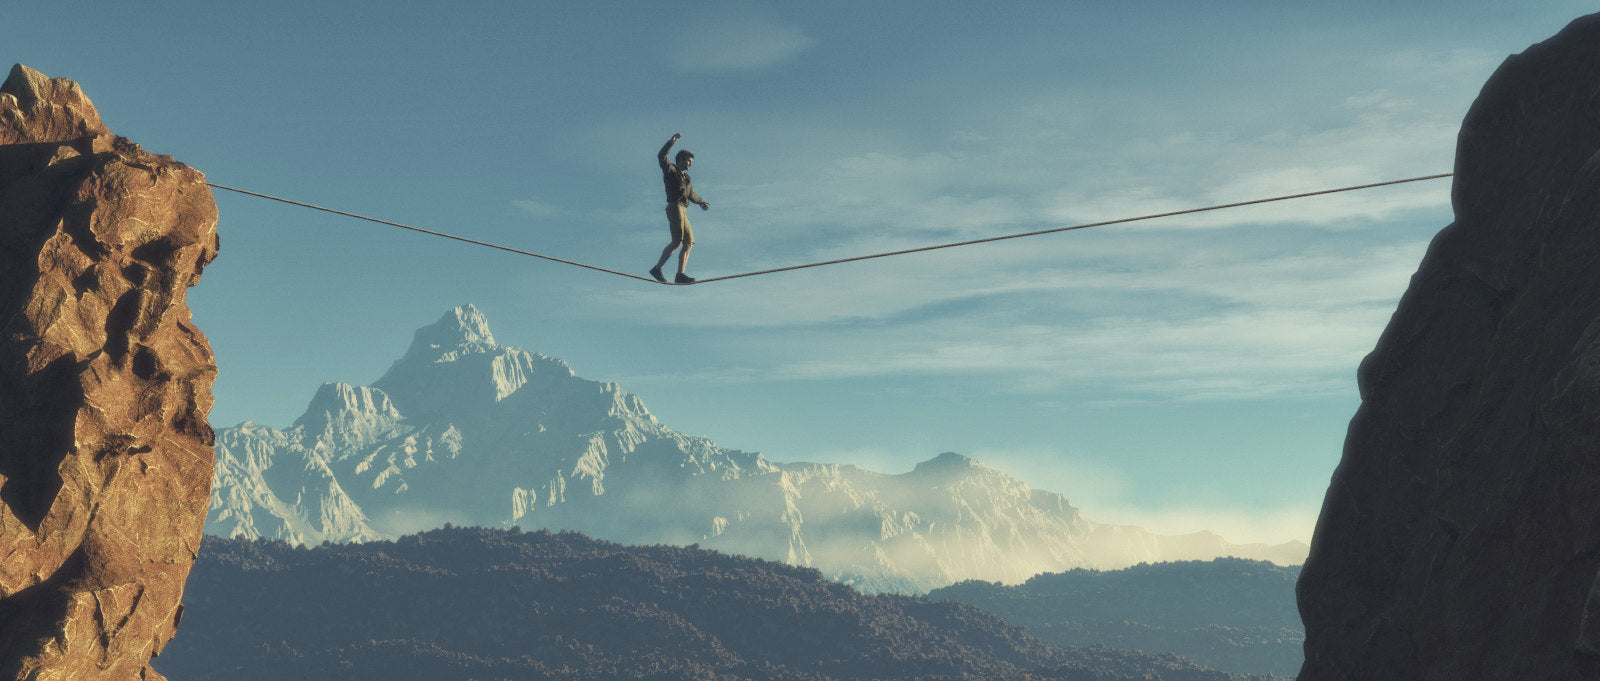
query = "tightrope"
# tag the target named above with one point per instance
(871, 256)
(432, 232)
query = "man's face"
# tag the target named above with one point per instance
(688, 162)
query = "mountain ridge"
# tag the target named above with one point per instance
(1231, 614)
(474, 603)
(462, 429)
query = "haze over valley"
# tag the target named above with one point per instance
(465, 430)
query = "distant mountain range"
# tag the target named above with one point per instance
(473, 603)
(464, 430)
(1231, 614)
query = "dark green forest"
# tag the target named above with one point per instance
(485, 605)
(1228, 613)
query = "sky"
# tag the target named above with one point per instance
(1186, 373)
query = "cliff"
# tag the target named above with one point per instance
(105, 455)
(1460, 537)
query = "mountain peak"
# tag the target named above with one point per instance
(333, 400)
(462, 329)
(948, 462)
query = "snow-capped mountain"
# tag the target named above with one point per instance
(467, 431)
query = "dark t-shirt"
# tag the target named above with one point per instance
(680, 189)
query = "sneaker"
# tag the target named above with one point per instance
(684, 279)
(656, 272)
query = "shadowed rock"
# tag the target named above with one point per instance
(1460, 537)
(105, 454)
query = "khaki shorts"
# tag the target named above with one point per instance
(678, 220)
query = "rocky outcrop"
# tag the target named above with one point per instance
(105, 454)
(1460, 538)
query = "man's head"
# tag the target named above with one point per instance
(684, 159)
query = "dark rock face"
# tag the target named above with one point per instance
(1460, 538)
(105, 454)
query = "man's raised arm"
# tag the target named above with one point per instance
(662, 156)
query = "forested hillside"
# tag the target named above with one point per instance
(470, 603)
(1229, 613)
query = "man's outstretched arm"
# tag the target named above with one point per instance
(662, 156)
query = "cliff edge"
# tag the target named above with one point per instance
(105, 455)
(1460, 537)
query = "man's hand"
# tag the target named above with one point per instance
(705, 205)
(675, 136)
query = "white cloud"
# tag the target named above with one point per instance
(1237, 525)
(1084, 481)
(1262, 353)
(734, 39)
(1103, 492)
(1379, 145)
(886, 193)
(1154, 311)
(893, 195)
(1142, 317)
(403, 521)
(536, 208)
(1436, 71)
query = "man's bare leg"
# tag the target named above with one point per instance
(667, 253)
(683, 257)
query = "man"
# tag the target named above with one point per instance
(680, 193)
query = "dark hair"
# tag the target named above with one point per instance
(682, 154)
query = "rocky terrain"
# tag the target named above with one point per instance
(1230, 614)
(1460, 537)
(465, 430)
(105, 453)
(471, 603)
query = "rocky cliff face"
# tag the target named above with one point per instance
(465, 430)
(1460, 538)
(105, 455)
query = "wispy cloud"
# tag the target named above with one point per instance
(888, 194)
(736, 37)
(1279, 300)
(1237, 525)
(1104, 493)
(1166, 310)
(1383, 141)
(1140, 317)
(537, 208)
(1265, 353)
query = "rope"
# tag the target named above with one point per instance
(850, 259)
(429, 231)
(1073, 227)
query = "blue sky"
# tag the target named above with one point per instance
(1188, 373)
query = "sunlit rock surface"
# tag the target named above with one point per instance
(1460, 538)
(105, 454)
